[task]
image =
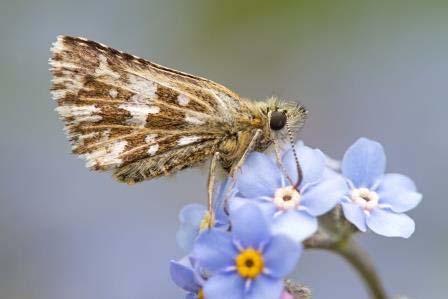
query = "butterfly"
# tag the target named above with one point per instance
(142, 120)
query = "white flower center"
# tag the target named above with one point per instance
(287, 198)
(365, 198)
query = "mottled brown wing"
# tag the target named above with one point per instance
(130, 115)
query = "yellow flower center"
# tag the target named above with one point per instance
(249, 263)
(201, 293)
(208, 221)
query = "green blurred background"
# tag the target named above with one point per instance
(363, 68)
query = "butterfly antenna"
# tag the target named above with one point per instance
(296, 158)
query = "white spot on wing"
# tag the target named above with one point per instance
(104, 70)
(58, 94)
(226, 104)
(153, 110)
(144, 87)
(139, 112)
(80, 113)
(113, 93)
(72, 83)
(139, 108)
(58, 45)
(62, 64)
(151, 138)
(188, 140)
(183, 100)
(193, 120)
(139, 99)
(153, 149)
(106, 156)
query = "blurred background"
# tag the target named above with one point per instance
(373, 68)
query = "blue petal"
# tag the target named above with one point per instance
(214, 250)
(183, 277)
(237, 202)
(281, 256)
(396, 180)
(222, 192)
(332, 164)
(267, 207)
(390, 224)
(264, 288)
(398, 192)
(364, 162)
(312, 162)
(191, 296)
(330, 174)
(186, 235)
(224, 286)
(249, 226)
(355, 215)
(259, 176)
(297, 225)
(190, 218)
(324, 196)
(192, 214)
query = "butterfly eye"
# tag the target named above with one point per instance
(277, 121)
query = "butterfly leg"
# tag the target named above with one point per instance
(234, 170)
(247, 150)
(211, 188)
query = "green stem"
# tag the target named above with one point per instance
(356, 257)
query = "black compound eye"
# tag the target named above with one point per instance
(278, 120)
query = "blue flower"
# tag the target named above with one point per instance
(185, 276)
(248, 262)
(193, 216)
(292, 210)
(190, 218)
(374, 199)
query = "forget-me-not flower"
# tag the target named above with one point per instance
(374, 199)
(293, 210)
(248, 262)
(184, 275)
(194, 217)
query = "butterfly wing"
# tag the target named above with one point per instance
(127, 114)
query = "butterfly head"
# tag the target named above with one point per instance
(282, 121)
(284, 117)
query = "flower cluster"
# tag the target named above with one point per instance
(253, 239)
